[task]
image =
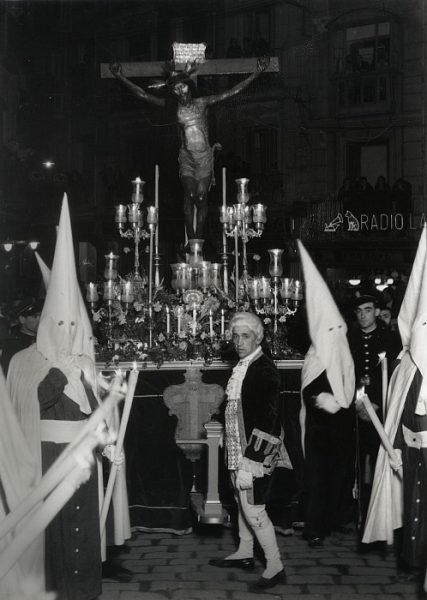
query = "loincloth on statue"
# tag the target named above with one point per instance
(197, 164)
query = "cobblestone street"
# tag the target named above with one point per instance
(176, 568)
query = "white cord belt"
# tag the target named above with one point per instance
(60, 432)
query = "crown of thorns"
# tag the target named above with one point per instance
(172, 76)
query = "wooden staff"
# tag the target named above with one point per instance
(133, 378)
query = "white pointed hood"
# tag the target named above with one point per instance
(329, 350)
(411, 301)
(412, 319)
(65, 331)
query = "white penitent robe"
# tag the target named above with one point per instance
(386, 503)
(18, 474)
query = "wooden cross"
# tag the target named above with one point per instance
(218, 66)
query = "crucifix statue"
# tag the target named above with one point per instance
(196, 155)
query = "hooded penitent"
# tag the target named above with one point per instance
(386, 504)
(120, 498)
(329, 348)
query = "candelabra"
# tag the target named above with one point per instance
(133, 215)
(236, 221)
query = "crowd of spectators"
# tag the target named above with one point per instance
(360, 196)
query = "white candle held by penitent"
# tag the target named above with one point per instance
(222, 322)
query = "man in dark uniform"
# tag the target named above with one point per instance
(368, 343)
(29, 317)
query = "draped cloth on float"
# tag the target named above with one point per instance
(158, 474)
(18, 475)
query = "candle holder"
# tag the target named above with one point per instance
(236, 221)
(110, 271)
(196, 256)
(92, 295)
(216, 275)
(137, 190)
(242, 190)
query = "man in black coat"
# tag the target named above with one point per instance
(368, 342)
(253, 448)
(29, 317)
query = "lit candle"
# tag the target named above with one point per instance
(109, 290)
(211, 331)
(133, 215)
(179, 320)
(127, 292)
(152, 216)
(194, 319)
(92, 292)
(120, 213)
(137, 189)
(168, 320)
(222, 322)
(134, 366)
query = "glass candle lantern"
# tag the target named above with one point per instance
(182, 277)
(91, 292)
(204, 275)
(224, 215)
(248, 215)
(109, 290)
(137, 190)
(275, 268)
(152, 215)
(297, 293)
(174, 268)
(196, 256)
(259, 216)
(133, 213)
(242, 190)
(286, 288)
(264, 288)
(238, 212)
(120, 216)
(216, 275)
(110, 271)
(127, 292)
(253, 288)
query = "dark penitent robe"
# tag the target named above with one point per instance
(72, 539)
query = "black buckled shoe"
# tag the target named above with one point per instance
(316, 542)
(264, 583)
(247, 564)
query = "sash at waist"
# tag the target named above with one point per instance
(60, 432)
(414, 439)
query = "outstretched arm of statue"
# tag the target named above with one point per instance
(117, 70)
(262, 65)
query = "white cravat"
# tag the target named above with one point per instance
(234, 385)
